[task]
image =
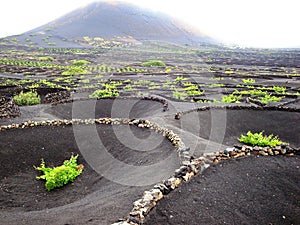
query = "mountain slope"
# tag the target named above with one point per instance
(113, 20)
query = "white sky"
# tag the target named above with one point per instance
(257, 23)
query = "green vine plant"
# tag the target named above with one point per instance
(269, 98)
(27, 98)
(105, 93)
(154, 63)
(259, 139)
(230, 99)
(248, 81)
(59, 176)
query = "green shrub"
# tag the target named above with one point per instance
(180, 78)
(46, 58)
(81, 62)
(231, 98)
(168, 70)
(260, 140)
(251, 92)
(75, 70)
(248, 81)
(268, 98)
(27, 98)
(106, 93)
(181, 95)
(216, 85)
(279, 89)
(193, 93)
(61, 175)
(154, 63)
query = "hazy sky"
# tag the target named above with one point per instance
(258, 23)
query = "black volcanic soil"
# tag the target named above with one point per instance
(92, 197)
(264, 190)
(114, 108)
(268, 195)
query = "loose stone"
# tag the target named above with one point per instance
(270, 152)
(263, 153)
(173, 182)
(283, 151)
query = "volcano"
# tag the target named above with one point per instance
(115, 20)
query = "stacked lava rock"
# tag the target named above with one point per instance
(8, 108)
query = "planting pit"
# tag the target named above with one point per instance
(93, 196)
(225, 126)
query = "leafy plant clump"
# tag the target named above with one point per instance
(27, 98)
(248, 81)
(106, 93)
(269, 98)
(181, 95)
(61, 175)
(260, 139)
(81, 62)
(154, 63)
(46, 58)
(180, 78)
(75, 70)
(279, 89)
(231, 98)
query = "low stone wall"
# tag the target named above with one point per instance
(57, 97)
(143, 206)
(8, 108)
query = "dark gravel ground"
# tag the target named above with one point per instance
(249, 191)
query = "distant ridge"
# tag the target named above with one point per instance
(113, 19)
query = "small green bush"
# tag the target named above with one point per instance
(81, 62)
(260, 140)
(269, 98)
(231, 98)
(61, 175)
(248, 81)
(154, 63)
(181, 95)
(27, 98)
(279, 89)
(75, 70)
(193, 93)
(106, 93)
(180, 78)
(251, 92)
(46, 58)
